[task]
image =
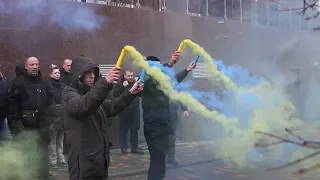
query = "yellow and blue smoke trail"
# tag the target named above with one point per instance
(245, 107)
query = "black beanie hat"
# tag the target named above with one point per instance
(153, 58)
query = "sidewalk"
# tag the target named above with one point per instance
(131, 164)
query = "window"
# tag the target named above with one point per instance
(105, 68)
(216, 8)
(262, 13)
(295, 20)
(273, 14)
(201, 71)
(247, 10)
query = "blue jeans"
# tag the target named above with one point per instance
(5, 133)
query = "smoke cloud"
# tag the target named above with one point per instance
(28, 14)
(20, 159)
(255, 104)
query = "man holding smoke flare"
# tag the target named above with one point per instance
(85, 113)
(157, 121)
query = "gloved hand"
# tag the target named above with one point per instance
(17, 125)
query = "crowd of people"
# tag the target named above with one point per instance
(69, 113)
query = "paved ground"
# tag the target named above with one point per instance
(218, 171)
(131, 164)
(198, 162)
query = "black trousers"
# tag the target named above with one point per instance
(158, 147)
(172, 138)
(33, 143)
(129, 121)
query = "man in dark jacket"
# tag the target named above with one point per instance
(30, 104)
(66, 77)
(174, 109)
(86, 109)
(4, 129)
(130, 117)
(157, 124)
(19, 71)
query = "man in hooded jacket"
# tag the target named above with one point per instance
(86, 109)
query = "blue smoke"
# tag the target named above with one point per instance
(67, 15)
(231, 104)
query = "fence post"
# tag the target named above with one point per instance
(241, 20)
(207, 7)
(187, 7)
(138, 4)
(225, 9)
(164, 7)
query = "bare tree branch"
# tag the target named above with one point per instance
(296, 161)
(300, 141)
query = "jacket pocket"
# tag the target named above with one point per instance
(29, 119)
(92, 163)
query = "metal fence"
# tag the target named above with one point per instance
(259, 12)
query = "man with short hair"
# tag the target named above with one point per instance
(65, 76)
(30, 102)
(130, 117)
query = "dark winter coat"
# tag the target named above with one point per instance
(85, 113)
(119, 89)
(56, 89)
(3, 102)
(155, 105)
(31, 101)
(19, 71)
(65, 77)
(174, 107)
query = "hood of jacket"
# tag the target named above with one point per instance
(20, 70)
(79, 66)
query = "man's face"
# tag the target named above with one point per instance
(55, 74)
(88, 78)
(67, 65)
(128, 76)
(32, 66)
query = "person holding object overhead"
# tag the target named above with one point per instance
(85, 111)
(174, 109)
(157, 121)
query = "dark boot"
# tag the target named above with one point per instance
(137, 151)
(124, 151)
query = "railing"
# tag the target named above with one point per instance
(271, 13)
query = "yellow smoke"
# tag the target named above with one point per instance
(165, 85)
(213, 69)
(20, 158)
(275, 112)
(236, 143)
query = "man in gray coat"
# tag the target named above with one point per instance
(86, 109)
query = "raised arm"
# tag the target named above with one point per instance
(115, 106)
(87, 104)
(181, 75)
